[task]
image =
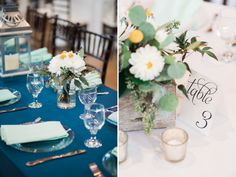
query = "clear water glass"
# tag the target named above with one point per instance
(225, 29)
(94, 123)
(35, 84)
(87, 97)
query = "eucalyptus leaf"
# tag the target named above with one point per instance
(169, 59)
(126, 54)
(158, 92)
(168, 102)
(148, 31)
(169, 39)
(163, 75)
(137, 15)
(176, 70)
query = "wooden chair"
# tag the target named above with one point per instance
(38, 23)
(63, 35)
(109, 30)
(98, 49)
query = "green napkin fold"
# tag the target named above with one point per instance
(5, 95)
(113, 117)
(93, 79)
(14, 134)
(114, 151)
(36, 56)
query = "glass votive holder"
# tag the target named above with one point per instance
(123, 146)
(174, 144)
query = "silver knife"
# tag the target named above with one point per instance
(68, 154)
(14, 109)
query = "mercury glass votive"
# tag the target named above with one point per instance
(123, 146)
(174, 144)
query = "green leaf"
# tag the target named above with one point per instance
(194, 45)
(211, 54)
(155, 43)
(148, 31)
(169, 59)
(83, 80)
(176, 70)
(126, 54)
(169, 102)
(137, 15)
(163, 75)
(183, 90)
(78, 84)
(206, 48)
(169, 39)
(187, 66)
(145, 87)
(158, 92)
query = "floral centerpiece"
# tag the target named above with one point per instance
(68, 72)
(152, 57)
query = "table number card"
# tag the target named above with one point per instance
(200, 109)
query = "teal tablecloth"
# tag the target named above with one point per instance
(12, 162)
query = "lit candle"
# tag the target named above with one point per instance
(12, 62)
(174, 142)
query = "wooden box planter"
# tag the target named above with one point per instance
(130, 120)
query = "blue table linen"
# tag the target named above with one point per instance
(12, 162)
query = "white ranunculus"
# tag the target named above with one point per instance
(147, 63)
(161, 35)
(73, 62)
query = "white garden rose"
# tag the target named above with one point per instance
(147, 63)
(67, 60)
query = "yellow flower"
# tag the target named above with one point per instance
(71, 55)
(149, 65)
(149, 13)
(136, 36)
(63, 55)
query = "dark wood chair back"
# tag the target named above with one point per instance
(224, 2)
(97, 48)
(63, 35)
(38, 22)
(109, 30)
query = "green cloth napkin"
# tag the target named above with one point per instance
(14, 134)
(113, 117)
(93, 79)
(36, 56)
(114, 151)
(5, 95)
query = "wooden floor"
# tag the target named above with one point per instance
(111, 76)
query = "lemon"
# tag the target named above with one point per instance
(136, 36)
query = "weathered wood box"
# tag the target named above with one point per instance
(130, 120)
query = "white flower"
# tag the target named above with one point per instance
(147, 63)
(67, 60)
(125, 30)
(161, 35)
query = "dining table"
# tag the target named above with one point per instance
(13, 162)
(207, 155)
